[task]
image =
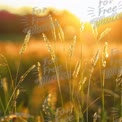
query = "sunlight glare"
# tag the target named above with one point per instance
(77, 7)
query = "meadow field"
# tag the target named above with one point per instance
(62, 77)
(65, 81)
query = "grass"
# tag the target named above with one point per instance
(85, 95)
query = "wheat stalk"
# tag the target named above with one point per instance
(60, 31)
(71, 49)
(26, 73)
(3, 61)
(104, 57)
(26, 41)
(53, 27)
(104, 33)
(70, 54)
(4, 84)
(95, 60)
(94, 31)
(81, 83)
(119, 83)
(105, 54)
(77, 69)
(14, 100)
(39, 72)
(15, 92)
(22, 50)
(47, 108)
(50, 50)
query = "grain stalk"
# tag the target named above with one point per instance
(15, 85)
(39, 73)
(119, 84)
(62, 38)
(4, 62)
(82, 79)
(52, 52)
(15, 92)
(94, 62)
(71, 49)
(104, 57)
(22, 50)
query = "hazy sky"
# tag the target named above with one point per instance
(77, 7)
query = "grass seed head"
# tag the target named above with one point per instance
(50, 50)
(60, 31)
(39, 72)
(26, 41)
(94, 31)
(26, 73)
(104, 33)
(3, 60)
(95, 60)
(71, 49)
(105, 54)
(53, 27)
(77, 69)
(119, 80)
(4, 85)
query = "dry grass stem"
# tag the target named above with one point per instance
(26, 73)
(26, 41)
(51, 51)
(104, 33)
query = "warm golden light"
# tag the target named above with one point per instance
(86, 10)
(77, 7)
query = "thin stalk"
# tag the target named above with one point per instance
(66, 64)
(57, 75)
(88, 93)
(67, 71)
(11, 97)
(82, 101)
(72, 89)
(18, 70)
(71, 84)
(59, 86)
(91, 104)
(103, 99)
(121, 102)
(14, 108)
(77, 113)
(12, 82)
(15, 86)
(80, 110)
(102, 77)
(81, 75)
(71, 50)
(2, 106)
(81, 63)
